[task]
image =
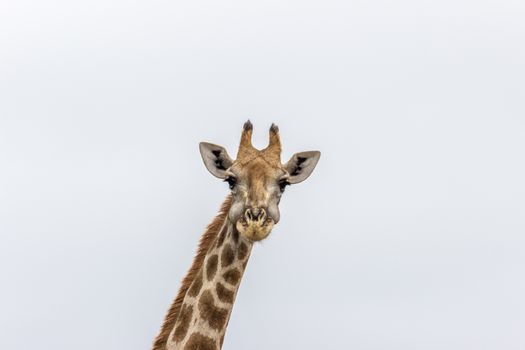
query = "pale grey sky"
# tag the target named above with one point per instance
(408, 235)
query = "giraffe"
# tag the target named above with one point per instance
(199, 314)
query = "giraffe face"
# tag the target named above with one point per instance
(256, 187)
(257, 180)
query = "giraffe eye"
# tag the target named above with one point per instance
(232, 181)
(283, 184)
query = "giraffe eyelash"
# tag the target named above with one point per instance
(232, 181)
(282, 184)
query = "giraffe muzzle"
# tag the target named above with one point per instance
(255, 224)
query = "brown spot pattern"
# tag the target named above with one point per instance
(243, 251)
(211, 266)
(216, 316)
(183, 322)
(235, 235)
(227, 256)
(196, 286)
(200, 342)
(232, 276)
(224, 294)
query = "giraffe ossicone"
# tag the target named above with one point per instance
(199, 315)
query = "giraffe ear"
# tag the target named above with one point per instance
(301, 165)
(215, 158)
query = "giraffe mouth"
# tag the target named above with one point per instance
(255, 230)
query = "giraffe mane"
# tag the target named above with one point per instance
(207, 239)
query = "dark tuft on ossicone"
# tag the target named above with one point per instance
(248, 125)
(274, 128)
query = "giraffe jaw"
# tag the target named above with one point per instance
(254, 230)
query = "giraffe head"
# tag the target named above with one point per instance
(257, 179)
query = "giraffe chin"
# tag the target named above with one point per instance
(254, 230)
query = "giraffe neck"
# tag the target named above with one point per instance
(207, 305)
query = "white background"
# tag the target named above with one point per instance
(408, 235)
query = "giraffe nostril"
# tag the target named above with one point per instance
(255, 214)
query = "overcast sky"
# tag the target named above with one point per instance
(410, 234)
